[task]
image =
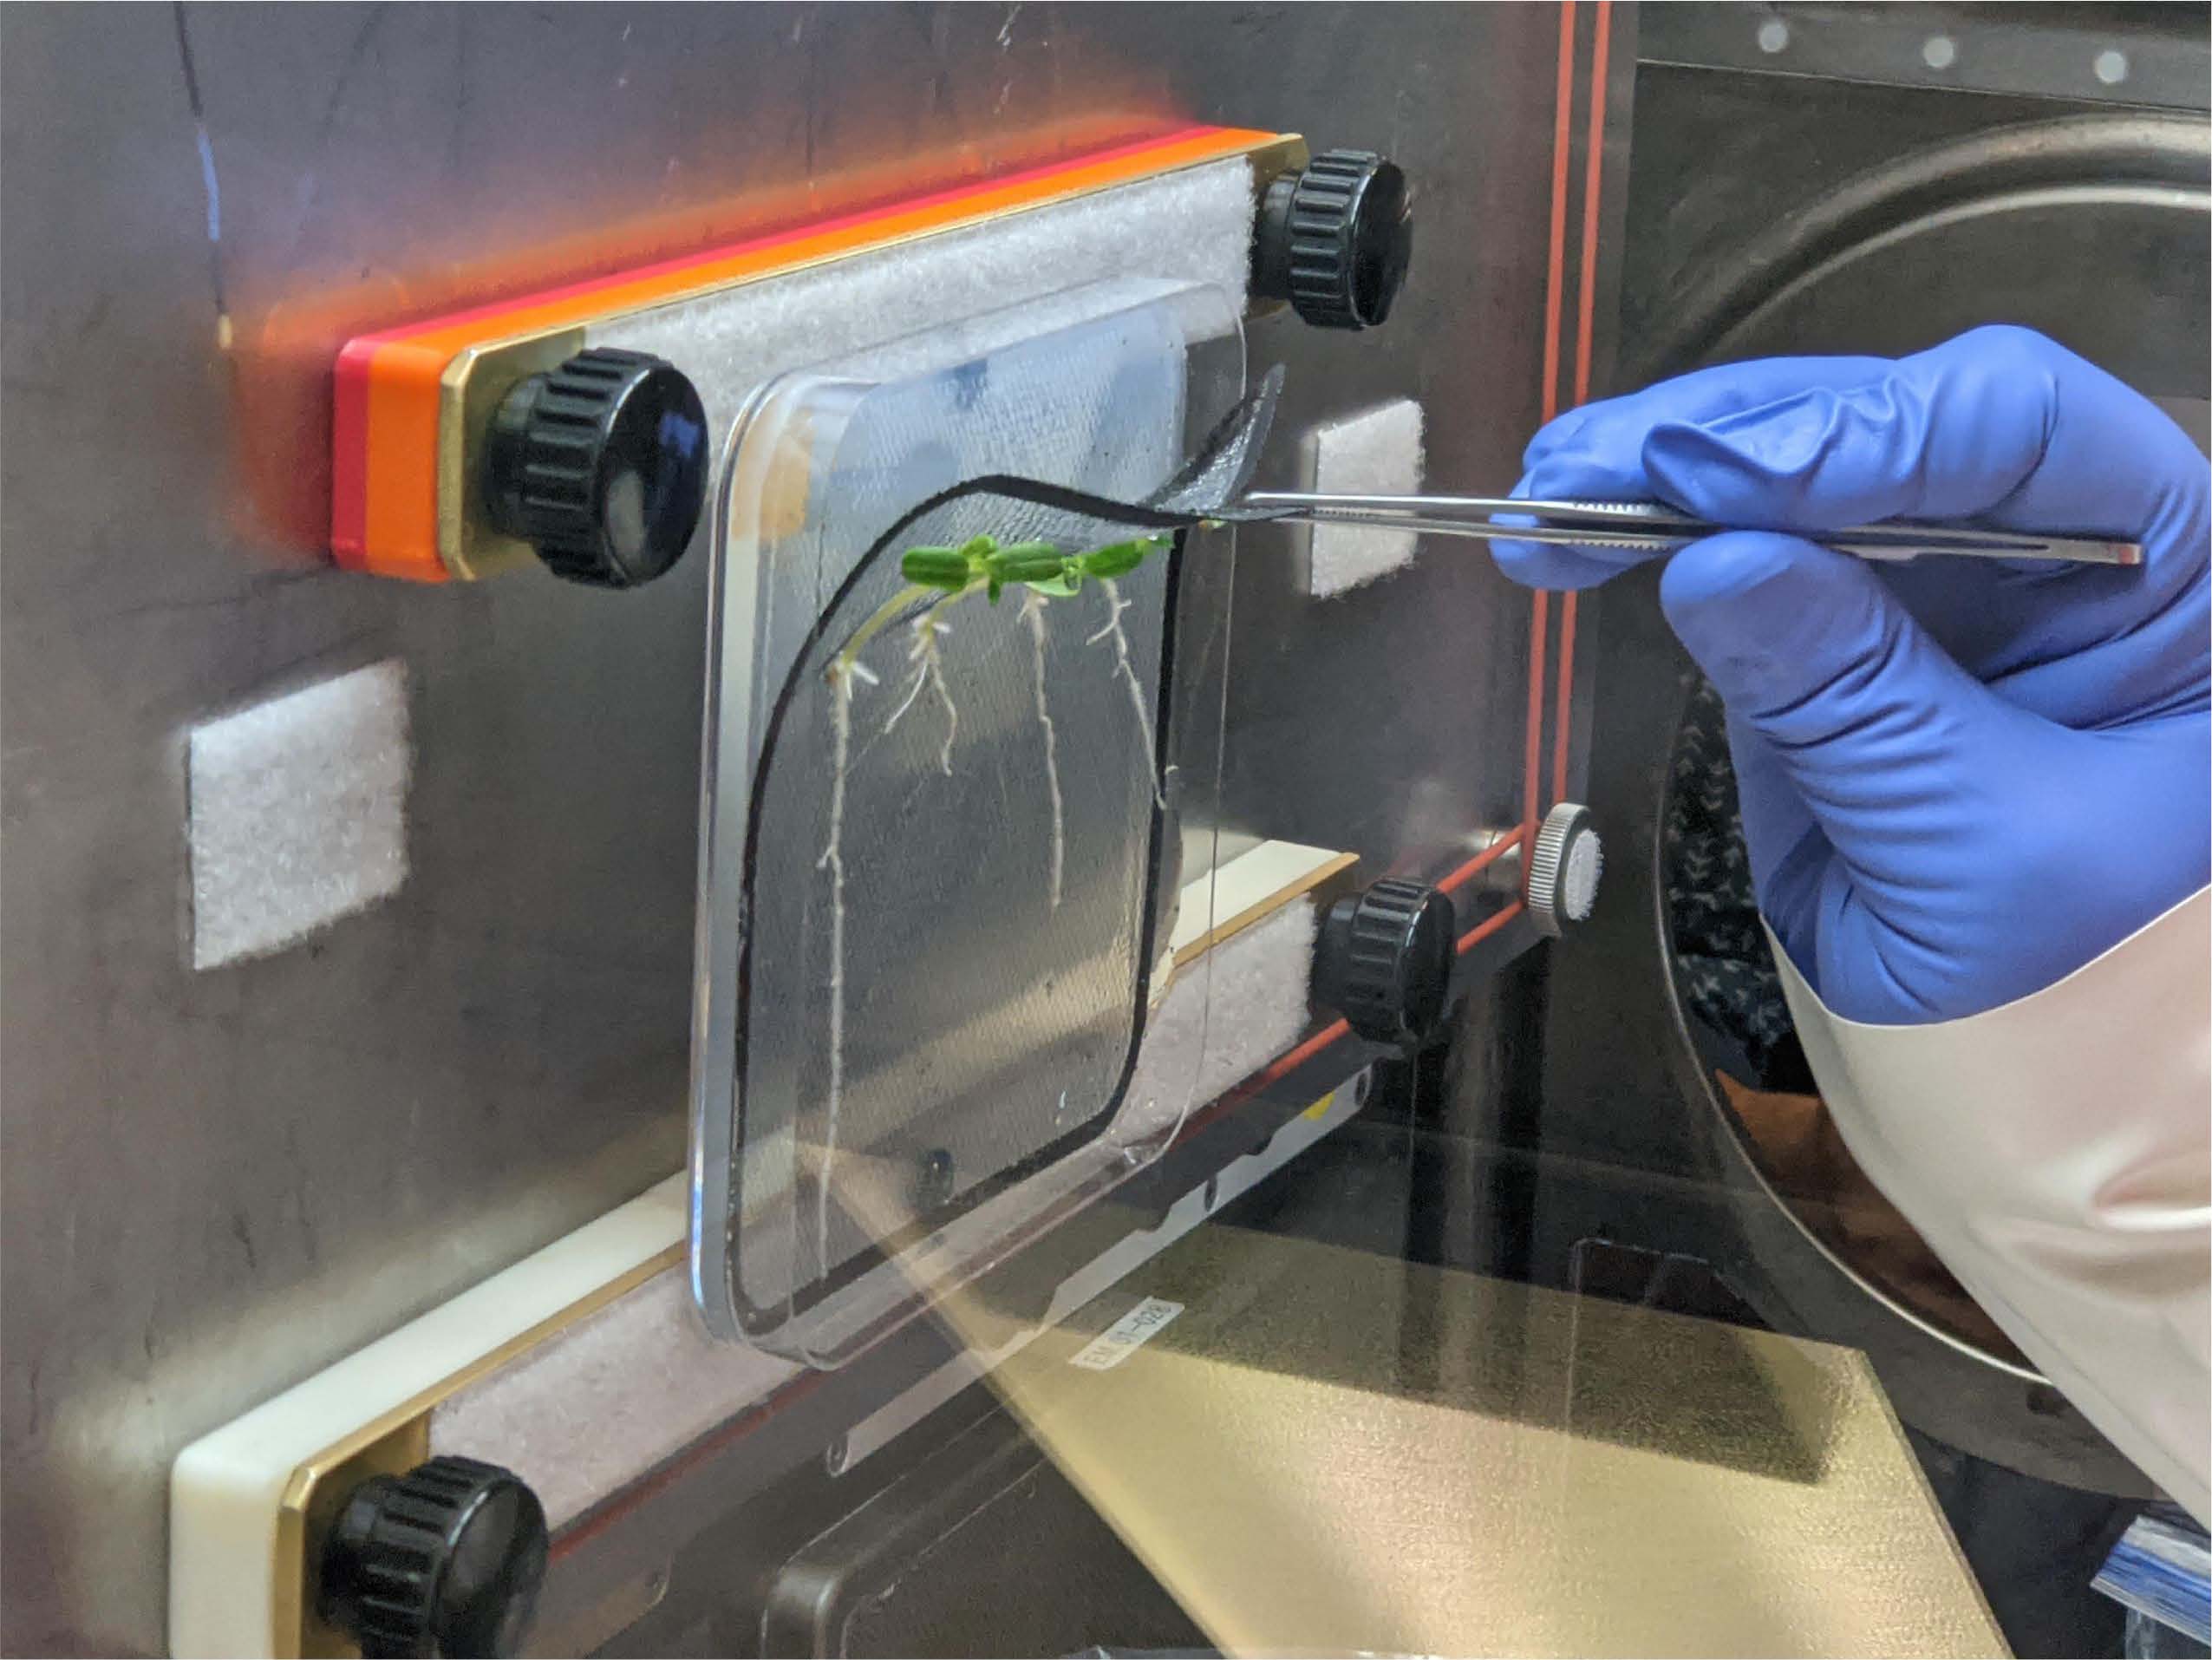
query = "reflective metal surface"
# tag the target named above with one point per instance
(215, 1183)
(2089, 197)
(2123, 53)
(1773, 215)
(1652, 526)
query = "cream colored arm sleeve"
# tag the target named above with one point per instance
(2056, 1154)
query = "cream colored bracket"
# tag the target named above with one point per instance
(240, 1498)
(249, 1502)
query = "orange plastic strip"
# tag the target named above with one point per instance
(384, 509)
(1593, 176)
(1554, 297)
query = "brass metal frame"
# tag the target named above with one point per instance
(392, 1442)
(468, 395)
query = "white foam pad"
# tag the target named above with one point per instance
(1242, 1006)
(1256, 989)
(1194, 225)
(589, 1411)
(582, 1415)
(1376, 452)
(298, 813)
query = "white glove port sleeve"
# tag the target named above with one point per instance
(2056, 1153)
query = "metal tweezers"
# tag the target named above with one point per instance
(1654, 527)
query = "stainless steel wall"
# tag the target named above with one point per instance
(216, 1183)
(1838, 196)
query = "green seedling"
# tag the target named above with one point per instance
(1120, 558)
(936, 567)
(982, 562)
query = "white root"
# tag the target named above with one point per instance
(929, 672)
(1033, 613)
(1127, 672)
(832, 860)
(929, 675)
(913, 690)
(933, 669)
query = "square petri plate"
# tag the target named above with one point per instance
(945, 843)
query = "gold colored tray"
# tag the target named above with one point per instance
(1328, 1451)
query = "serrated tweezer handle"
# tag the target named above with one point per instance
(1654, 527)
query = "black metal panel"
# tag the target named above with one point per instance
(983, 1549)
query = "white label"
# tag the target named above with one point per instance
(1125, 1335)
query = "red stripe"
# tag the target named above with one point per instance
(1593, 170)
(1593, 177)
(1482, 861)
(1532, 774)
(1555, 278)
(348, 455)
(1484, 930)
(1563, 695)
(1283, 1065)
(1554, 291)
(628, 1500)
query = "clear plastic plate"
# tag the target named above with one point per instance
(944, 847)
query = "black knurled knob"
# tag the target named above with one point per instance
(601, 466)
(446, 1559)
(1384, 961)
(1334, 239)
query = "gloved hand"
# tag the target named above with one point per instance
(1961, 779)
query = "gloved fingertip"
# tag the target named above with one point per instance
(1732, 566)
(1815, 459)
(1523, 562)
(1550, 565)
(1715, 475)
(1748, 605)
(1558, 434)
(1539, 565)
(1581, 474)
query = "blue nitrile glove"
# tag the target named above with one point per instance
(1961, 779)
